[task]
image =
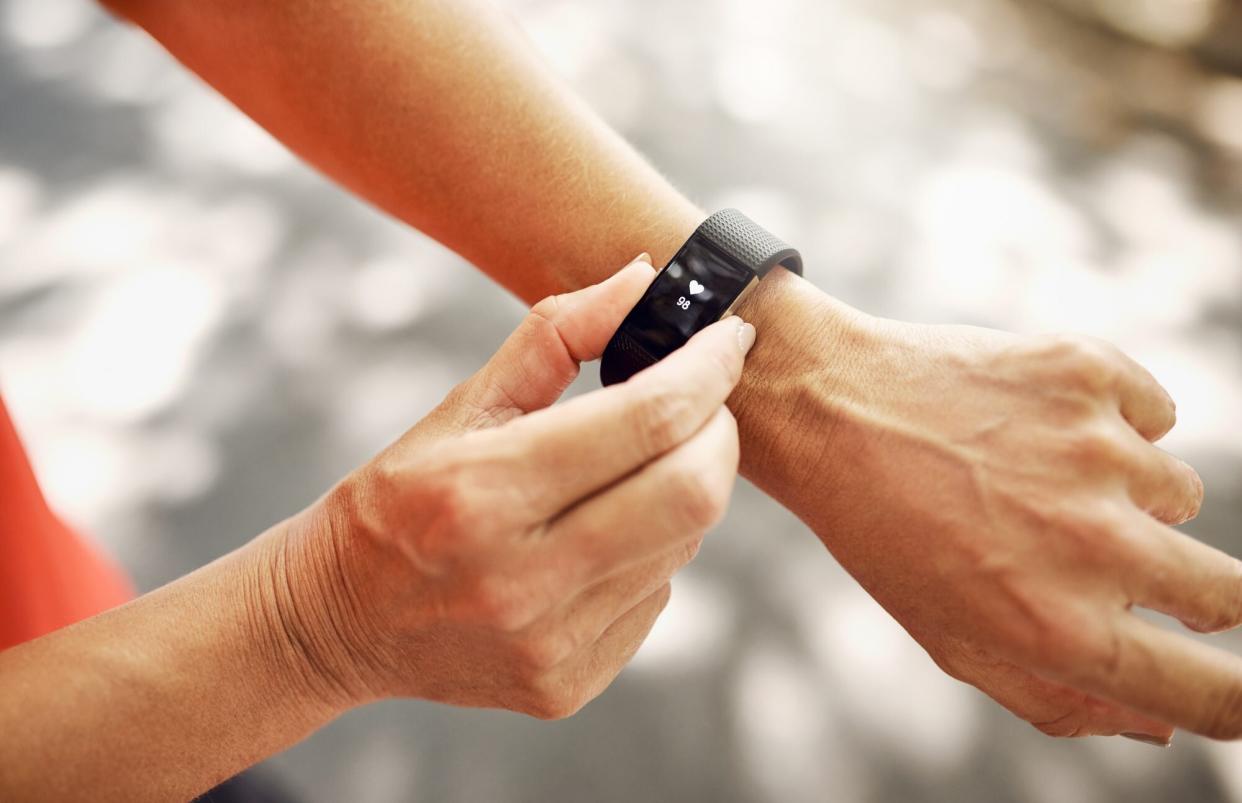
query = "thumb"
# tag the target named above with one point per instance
(540, 359)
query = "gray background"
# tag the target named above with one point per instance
(198, 335)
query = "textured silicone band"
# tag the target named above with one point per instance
(750, 244)
(622, 359)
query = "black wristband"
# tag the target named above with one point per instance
(747, 243)
(706, 279)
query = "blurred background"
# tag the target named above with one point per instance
(198, 335)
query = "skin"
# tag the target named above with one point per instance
(1001, 496)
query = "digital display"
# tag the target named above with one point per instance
(695, 291)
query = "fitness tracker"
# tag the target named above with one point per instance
(724, 258)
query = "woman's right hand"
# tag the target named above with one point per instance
(501, 554)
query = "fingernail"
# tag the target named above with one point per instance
(1147, 738)
(745, 336)
(643, 257)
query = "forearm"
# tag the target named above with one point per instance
(166, 696)
(442, 114)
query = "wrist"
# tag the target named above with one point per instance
(303, 610)
(793, 398)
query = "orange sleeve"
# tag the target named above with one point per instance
(49, 576)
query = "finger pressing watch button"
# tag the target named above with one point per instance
(708, 277)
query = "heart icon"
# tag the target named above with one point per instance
(696, 288)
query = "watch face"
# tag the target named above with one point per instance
(694, 291)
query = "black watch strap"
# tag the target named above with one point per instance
(623, 358)
(749, 243)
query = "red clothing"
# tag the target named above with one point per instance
(49, 577)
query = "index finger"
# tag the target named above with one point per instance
(594, 440)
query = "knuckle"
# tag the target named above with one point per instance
(1051, 650)
(543, 651)
(1085, 655)
(552, 700)
(444, 517)
(497, 602)
(450, 504)
(1087, 533)
(547, 307)
(1081, 362)
(700, 499)
(1070, 725)
(543, 710)
(1097, 447)
(459, 395)
(413, 505)
(1085, 349)
(1064, 639)
(438, 487)
(552, 709)
(664, 417)
(1104, 537)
